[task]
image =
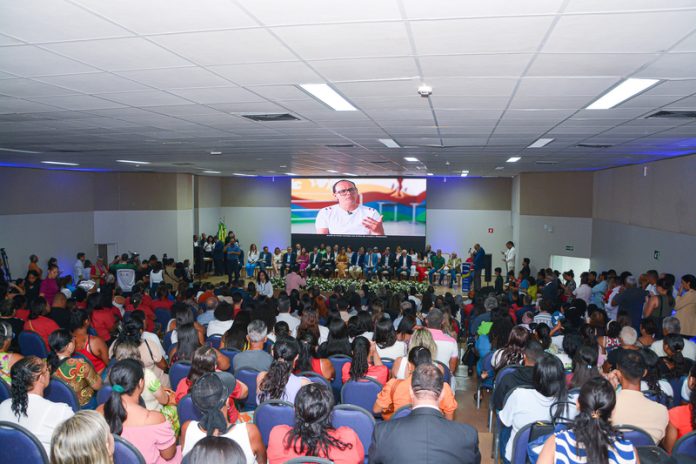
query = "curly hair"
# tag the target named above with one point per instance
(24, 374)
(272, 386)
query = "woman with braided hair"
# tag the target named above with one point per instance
(591, 439)
(313, 434)
(279, 383)
(27, 406)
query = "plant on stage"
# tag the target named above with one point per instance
(327, 285)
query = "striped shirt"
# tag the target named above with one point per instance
(567, 452)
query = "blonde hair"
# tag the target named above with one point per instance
(423, 337)
(82, 439)
(125, 349)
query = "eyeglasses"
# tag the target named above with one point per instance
(348, 191)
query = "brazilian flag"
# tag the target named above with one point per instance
(222, 230)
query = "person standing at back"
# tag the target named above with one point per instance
(425, 435)
(479, 260)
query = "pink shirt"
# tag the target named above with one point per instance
(293, 281)
(49, 288)
(150, 439)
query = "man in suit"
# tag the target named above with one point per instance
(357, 263)
(288, 261)
(386, 264)
(372, 263)
(403, 265)
(265, 259)
(315, 259)
(328, 266)
(425, 435)
(479, 262)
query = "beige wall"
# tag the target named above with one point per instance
(208, 192)
(32, 191)
(470, 194)
(664, 198)
(256, 191)
(565, 194)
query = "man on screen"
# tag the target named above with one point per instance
(348, 216)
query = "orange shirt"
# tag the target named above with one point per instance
(680, 418)
(355, 454)
(396, 392)
(379, 373)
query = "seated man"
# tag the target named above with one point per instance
(357, 263)
(373, 260)
(425, 435)
(386, 265)
(632, 407)
(265, 259)
(403, 265)
(453, 267)
(254, 357)
(438, 265)
(287, 262)
(328, 265)
(314, 265)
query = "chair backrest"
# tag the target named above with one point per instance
(676, 384)
(31, 343)
(60, 392)
(178, 370)
(19, 445)
(389, 362)
(268, 347)
(4, 391)
(316, 378)
(503, 372)
(167, 341)
(356, 418)
(361, 393)
(230, 353)
(565, 408)
(338, 361)
(662, 398)
(522, 439)
(309, 459)
(636, 435)
(271, 413)
(126, 453)
(162, 316)
(447, 376)
(103, 394)
(214, 341)
(686, 445)
(403, 411)
(248, 378)
(187, 410)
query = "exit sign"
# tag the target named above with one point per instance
(656, 254)
(569, 248)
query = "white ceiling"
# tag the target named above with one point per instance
(165, 81)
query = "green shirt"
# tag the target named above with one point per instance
(437, 261)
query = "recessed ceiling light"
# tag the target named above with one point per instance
(211, 172)
(499, 168)
(513, 159)
(411, 159)
(350, 174)
(14, 150)
(621, 93)
(540, 143)
(290, 174)
(216, 153)
(60, 163)
(331, 171)
(283, 166)
(132, 162)
(328, 96)
(389, 143)
(243, 175)
(431, 174)
(465, 173)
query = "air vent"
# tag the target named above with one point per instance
(272, 117)
(594, 145)
(340, 145)
(674, 114)
(547, 162)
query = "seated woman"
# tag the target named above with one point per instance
(235, 337)
(525, 405)
(216, 450)
(309, 322)
(102, 314)
(365, 363)
(279, 383)
(85, 437)
(27, 406)
(652, 382)
(648, 330)
(421, 337)
(224, 318)
(512, 353)
(396, 393)
(188, 343)
(337, 342)
(342, 264)
(7, 358)
(77, 373)
(212, 394)
(148, 431)
(313, 434)
(263, 285)
(404, 331)
(303, 261)
(150, 356)
(309, 361)
(591, 438)
(163, 300)
(38, 322)
(584, 368)
(182, 314)
(674, 365)
(388, 345)
(682, 418)
(90, 346)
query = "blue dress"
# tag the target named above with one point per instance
(567, 451)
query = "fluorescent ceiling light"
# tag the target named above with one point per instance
(59, 163)
(431, 174)
(621, 93)
(290, 174)
(216, 153)
(331, 171)
(211, 172)
(465, 173)
(14, 150)
(243, 175)
(499, 168)
(411, 159)
(350, 174)
(132, 162)
(540, 143)
(328, 96)
(513, 159)
(389, 143)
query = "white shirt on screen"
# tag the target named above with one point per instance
(340, 221)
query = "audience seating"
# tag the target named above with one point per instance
(316, 378)
(248, 378)
(5, 391)
(271, 413)
(358, 419)
(487, 383)
(20, 446)
(167, 342)
(663, 399)
(103, 394)
(361, 393)
(162, 317)
(676, 384)
(403, 411)
(526, 434)
(230, 353)
(187, 410)
(389, 362)
(214, 341)
(337, 383)
(126, 453)
(31, 344)
(60, 392)
(636, 435)
(563, 419)
(686, 445)
(177, 371)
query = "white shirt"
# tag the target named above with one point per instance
(510, 258)
(651, 289)
(525, 405)
(417, 301)
(340, 221)
(156, 277)
(397, 350)
(610, 307)
(583, 292)
(689, 350)
(154, 341)
(265, 288)
(237, 433)
(323, 334)
(43, 416)
(252, 257)
(290, 320)
(664, 385)
(216, 327)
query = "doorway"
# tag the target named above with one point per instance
(566, 263)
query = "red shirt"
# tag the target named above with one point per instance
(149, 315)
(278, 454)
(49, 288)
(379, 373)
(22, 314)
(42, 326)
(103, 321)
(165, 303)
(232, 414)
(680, 418)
